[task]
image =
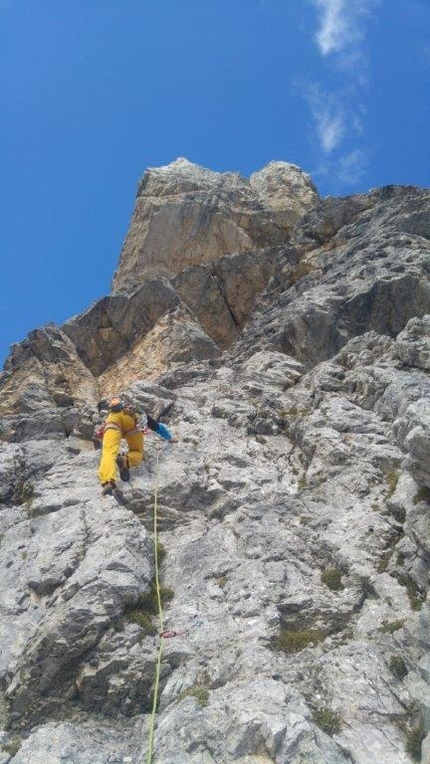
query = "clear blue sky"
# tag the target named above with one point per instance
(95, 91)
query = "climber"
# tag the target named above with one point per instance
(122, 420)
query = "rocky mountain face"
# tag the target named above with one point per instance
(186, 215)
(286, 340)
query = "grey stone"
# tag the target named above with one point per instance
(413, 432)
(185, 215)
(80, 744)
(424, 668)
(285, 190)
(424, 627)
(45, 371)
(290, 508)
(105, 331)
(413, 344)
(425, 750)
(360, 273)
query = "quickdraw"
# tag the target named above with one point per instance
(169, 634)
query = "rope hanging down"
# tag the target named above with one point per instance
(160, 616)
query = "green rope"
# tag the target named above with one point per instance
(160, 616)
(157, 571)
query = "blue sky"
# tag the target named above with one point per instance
(95, 91)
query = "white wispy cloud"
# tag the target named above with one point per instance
(329, 117)
(338, 111)
(340, 24)
(331, 128)
(334, 31)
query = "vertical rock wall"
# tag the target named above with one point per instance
(293, 511)
(186, 215)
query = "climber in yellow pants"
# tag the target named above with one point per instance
(119, 425)
(123, 421)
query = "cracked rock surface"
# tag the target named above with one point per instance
(293, 512)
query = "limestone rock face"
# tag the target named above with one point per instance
(286, 191)
(186, 215)
(177, 338)
(293, 512)
(45, 370)
(222, 294)
(413, 344)
(349, 268)
(106, 330)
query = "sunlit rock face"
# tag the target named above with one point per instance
(186, 215)
(294, 510)
(286, 191)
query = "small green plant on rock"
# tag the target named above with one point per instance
(392, 479)
(144, 620)
(392, 626)
(332, 577)
(301, 483)
(147, 607)
(384, 559)
(199, 690)
(327, 720)
(416, 597)
(12, 747)
(414, 739)
(200, 693)
(398, 667)
(27, 494)
(423, 494)
(161, 552)
(149, 602)
(292, 641)
(265, 413)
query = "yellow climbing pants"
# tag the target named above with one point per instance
(124, 427)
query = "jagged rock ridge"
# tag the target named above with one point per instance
(294, 511)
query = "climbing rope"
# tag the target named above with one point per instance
(160, 616)
(163, 633)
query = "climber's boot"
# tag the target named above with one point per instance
(108, 488)
(124, 469)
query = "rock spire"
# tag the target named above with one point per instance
(186, 215)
